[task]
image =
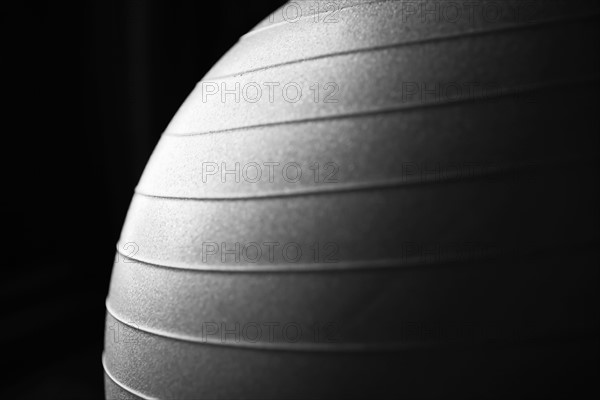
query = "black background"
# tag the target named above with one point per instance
(88, 88)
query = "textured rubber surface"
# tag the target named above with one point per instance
(370, 81)
(432, 278)
(188, 370)
(450, 212)
(374, 305)
(450, 135)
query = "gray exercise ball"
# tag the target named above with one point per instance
(371, 198)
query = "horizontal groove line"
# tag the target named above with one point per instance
(506, 92)
(279, 347)
(353, 348)
(391, 265)
(434, 39)
(324, 190)
(121, 385)
(382, 185)
(280, 23)
(347, 266)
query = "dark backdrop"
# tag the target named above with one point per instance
(88, 88)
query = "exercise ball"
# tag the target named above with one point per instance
(371, 198)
